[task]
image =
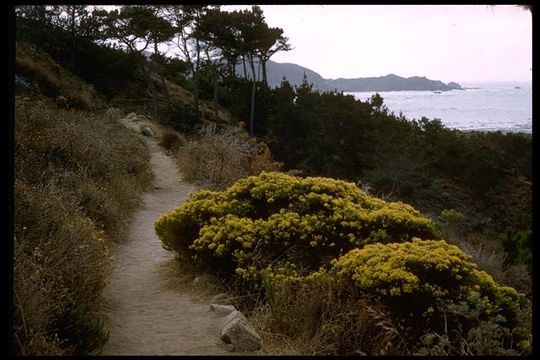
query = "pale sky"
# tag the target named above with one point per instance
(462, 43)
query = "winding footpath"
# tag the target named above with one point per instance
(146, 317)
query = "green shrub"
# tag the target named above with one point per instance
(314, 247)
(80, 329)
(434, 285)
(276, 217)
(452, 216)
(518, 246)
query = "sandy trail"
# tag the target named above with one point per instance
(145, 316)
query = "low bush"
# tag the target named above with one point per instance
(492, 258)
(220, 157)
(172, 140)
(79, 99)
(518, 246)
(431, 285)
(276, 217)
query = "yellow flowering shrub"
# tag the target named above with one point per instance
(291, 238)
(434, 284)
(307, 222)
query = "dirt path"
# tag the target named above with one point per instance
(146, 317)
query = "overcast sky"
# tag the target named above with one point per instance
(462, 43)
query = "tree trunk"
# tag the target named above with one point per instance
(252, 111)
(244, 62)
(216, 98)
(151, 87)
(163, 84)
(196, 76)
(72, 38)
(265, 79)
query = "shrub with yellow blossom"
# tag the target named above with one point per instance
(434, 285)
(306, 222)
(293, 238)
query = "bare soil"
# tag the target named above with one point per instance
(145, 315)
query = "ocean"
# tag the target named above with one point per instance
(493, 106)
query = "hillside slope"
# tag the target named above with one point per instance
(49, 78)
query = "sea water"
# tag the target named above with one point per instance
(493, 106)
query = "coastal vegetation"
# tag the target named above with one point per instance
(396, 236)
(276, 232)
(74, 191)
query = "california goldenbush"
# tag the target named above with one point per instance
(276, 217)
(78, 176)
(297, 239)
(434, 285)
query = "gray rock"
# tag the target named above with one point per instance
(196, 280)
(222, 310)
(238, 332)
(147, 131)
(139, 118)
(21, 84)
(131, 116)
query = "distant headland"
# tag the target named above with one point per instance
(391, 82)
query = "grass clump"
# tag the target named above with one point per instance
(78, 176)
(218, 158)
(172, 140)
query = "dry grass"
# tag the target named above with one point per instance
(316, 321)
(80, 99)
(180, 276)
(48, 82)
(220, 157)
(182, 96)
(171, 140)
(490, 257)
(77, 179)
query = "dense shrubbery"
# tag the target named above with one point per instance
(77, 178)
(280, 218)
(295, 239)
(487, 176)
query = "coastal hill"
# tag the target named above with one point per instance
(295, 74)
